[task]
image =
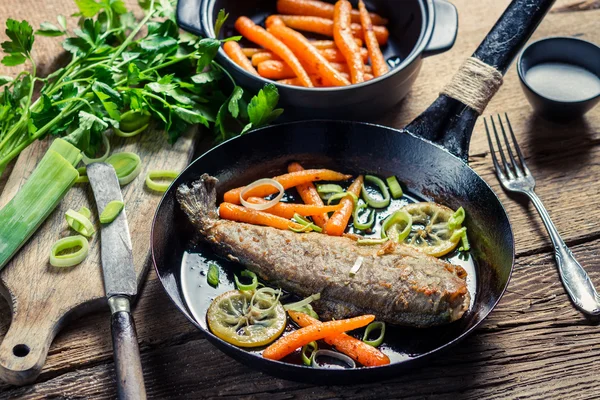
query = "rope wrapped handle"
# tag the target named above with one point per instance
(474, 84)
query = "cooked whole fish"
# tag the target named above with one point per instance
(398, 284)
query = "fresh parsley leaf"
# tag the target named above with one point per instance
(232, 105)
(261, 110)
(48, 29)
(13, 59)
(62, 21)
(88, 8)
(82, 137)
(46, 114)
(21, 37)
(191, 116)
(208, 49)
(109, 98)
(5, 79)
(157, 43)
(134, 75)
(221, 18)
(206, 77)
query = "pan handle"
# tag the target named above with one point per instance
(444, 30)
(448, 122)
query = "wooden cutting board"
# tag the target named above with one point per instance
(43, 298)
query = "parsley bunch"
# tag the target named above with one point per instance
(167, 75)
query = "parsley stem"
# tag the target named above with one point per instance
(134, 32)
(148, 94)
(70, 99)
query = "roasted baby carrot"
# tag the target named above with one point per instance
(380, 67)
(274, 69)
(324, 26)
(306, 53)
(330, 44)
(309, 195)
(264, 56)
(342, 35)
(356, 349)
(339, 220)
(259, 35)
(233, 212)
(343, 67)
(287, 210)
(287, 344)
(287, 181)
(234, 51)
(319, 9)
(316, 80)
(335, 55)
(250, 51)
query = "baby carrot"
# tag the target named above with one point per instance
(319, 9)
(324, 26)
(306, 53)
(309, 195)
(356, 349)
(287, 210)
(264, 56)
(343, 67)
(342, 35)
(335, 55)
(339, 220)
(316, 80)
(249, 51)
(287, 181)
(233, 212)
(330, 44)
(287, 344)
(380, 67)
(234, 51)
(258, 35)
(274, 69)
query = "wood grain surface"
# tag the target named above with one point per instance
(533, 345)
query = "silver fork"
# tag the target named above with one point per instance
(516, 177)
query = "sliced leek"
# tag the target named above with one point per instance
(373, 201)
(69, 259)
(356, 218)
(389, 227)
(159, 174)
(111, 211)
(373, 326)
(127, 165)
(103, 157)
(395, 187)
(80, 223)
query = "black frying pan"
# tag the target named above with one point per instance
(428, 156)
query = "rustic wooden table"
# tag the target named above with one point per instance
(533, 345)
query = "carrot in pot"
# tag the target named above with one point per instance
(259, 35)
(316, 80)
(309, 195)
(356, 349)
(324, 26)
(330, 44)
(264, 56)
(234, 51)
(288, 210)
(380, 67)
(287, 181)
(342, 35)
(319, 9)
(287, 344)
(306, 53)
(274, 69)
(339, 220)
(250, 51)
(233, 212)
(335, 55)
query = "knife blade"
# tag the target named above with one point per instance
(120, 282)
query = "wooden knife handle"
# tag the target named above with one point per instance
(128, 366)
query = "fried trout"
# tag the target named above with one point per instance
(397, 283)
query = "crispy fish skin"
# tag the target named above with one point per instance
(397, 283)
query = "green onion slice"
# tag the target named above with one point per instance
(371, 241)
(303, 221)
(160, 174)
(356, 219)
(395, 187)
(71, 259)
(247, 274)
(371, 327)
(457, 219)
(213, 275)
(82, 171)
(111, 211)
(85, 212)
(87, 160)
(79, 222)
(389, 227)
(372, 201)
(312, 348)
(332, 354)
(339, 196)
(127, 165)
(300, 305)
(326, 190)
(462, 235)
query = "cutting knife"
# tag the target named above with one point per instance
(120, 283)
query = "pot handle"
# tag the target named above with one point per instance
(189, 17)
(445, 28)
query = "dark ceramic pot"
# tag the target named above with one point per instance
(418, 28)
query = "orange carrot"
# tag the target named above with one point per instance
(274, 69)
(324, 26)
(343, 67)
(259, 35)
(287, 181)
(306, 53)
(309, 195)
(287, 344)
(319, 9)
(356, 349)
(264, 56)
(330, 44)
(316, 80)
(380, 67)
(339, 220)
(335, 55)
(234, 51)
(237, 213)
(342, 35)
(331, 55)
(287, 210)
(250, 51)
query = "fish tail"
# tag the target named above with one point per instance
(199, 201)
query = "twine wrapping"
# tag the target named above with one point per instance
(474, 84)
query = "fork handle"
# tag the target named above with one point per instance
(575, 280)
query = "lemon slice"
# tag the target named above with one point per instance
(430, 232)
(247, 318)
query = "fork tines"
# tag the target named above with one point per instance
(510, 168)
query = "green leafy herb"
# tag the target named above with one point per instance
(221, 18)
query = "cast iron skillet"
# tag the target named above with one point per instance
(433, 169)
